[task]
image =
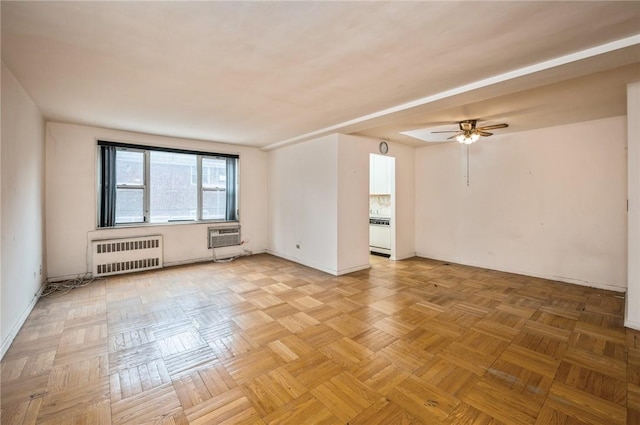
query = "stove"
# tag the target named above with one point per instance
(380, 235)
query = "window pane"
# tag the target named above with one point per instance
(173, 195)
(214, 172)
(129, 168)
(129, 206)
(214, 204)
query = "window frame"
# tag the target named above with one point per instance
(143, 186)
(204, 189)
(146, 186)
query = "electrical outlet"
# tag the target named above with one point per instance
(40, 269)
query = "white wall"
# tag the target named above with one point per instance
(632, 316)
(354, 199)
(22, 234)
(353, 203)
(548, 203)
(2, 337)
(303, 200)
(72, 193)
(404, 219)
(319, 194)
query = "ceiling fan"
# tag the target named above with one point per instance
(469, 133)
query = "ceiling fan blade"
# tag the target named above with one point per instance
(492, 127)
(483, 133)
(450, 131)
(452, 137)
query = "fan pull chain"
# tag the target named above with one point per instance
(467, 165)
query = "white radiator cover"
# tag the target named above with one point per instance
(126, 255)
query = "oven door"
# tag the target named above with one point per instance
(380, 237)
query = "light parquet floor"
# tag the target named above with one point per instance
(265, 341)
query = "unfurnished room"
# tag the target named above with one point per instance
(320, 212)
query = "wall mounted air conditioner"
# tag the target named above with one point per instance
(225, 241)
(224, 235)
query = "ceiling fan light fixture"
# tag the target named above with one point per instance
(468, 132)
(467, 138)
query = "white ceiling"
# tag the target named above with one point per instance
(266, 74)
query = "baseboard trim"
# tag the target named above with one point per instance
(632, 325)
(166, 264)
(404, 256)
(354, 269)
(598, 285)
(304, 263)
(185, 262)
(6, 344)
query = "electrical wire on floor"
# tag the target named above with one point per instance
(245, 252)
(226, 260)
(58, 289)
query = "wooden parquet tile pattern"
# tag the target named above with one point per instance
(264, 341)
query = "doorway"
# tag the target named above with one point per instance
(382, 212)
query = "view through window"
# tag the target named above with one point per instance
(161, 185)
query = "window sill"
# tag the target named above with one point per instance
(170, 223)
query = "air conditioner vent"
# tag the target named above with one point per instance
(225, 235)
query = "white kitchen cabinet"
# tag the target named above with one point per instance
(388, 177)
(379, 175)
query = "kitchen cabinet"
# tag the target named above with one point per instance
(380, 170)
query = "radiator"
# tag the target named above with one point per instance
(224, 235)
(126, 255)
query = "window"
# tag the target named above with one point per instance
(140, 184)
(172, 196)
(129, 186)
(214, 184)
